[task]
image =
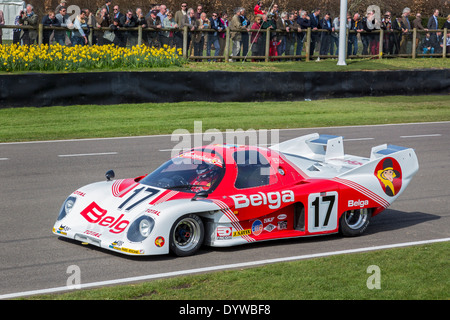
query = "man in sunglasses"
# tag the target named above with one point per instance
(179, 18)
(118, 15)
(213, 37)
(63, 20)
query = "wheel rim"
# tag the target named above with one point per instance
(186, 235)
(355, 219)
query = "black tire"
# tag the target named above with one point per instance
(353, 223)
(186, 235)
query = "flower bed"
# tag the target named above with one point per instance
(62, 58)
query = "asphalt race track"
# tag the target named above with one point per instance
(37, 177)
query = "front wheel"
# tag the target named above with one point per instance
(186, 235)
(354, 222)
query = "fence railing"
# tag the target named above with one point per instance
(381, 43)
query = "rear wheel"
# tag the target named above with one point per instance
(354, 222)
(186, 235)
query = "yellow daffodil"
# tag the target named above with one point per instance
(57, 57)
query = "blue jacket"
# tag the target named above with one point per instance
(216, 25)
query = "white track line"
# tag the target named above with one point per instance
(86, 154)
(217, 268)
(205, 133)
(359, 139)
(423, 136)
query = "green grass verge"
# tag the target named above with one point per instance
(322, 65)
(90, 121)
(411, 273)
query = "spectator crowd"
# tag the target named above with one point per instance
(207, 30)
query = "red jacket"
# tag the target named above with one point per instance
(258, 10)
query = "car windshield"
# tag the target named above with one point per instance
(189, 172)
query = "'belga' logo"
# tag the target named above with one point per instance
(389, 174)
(274, 199)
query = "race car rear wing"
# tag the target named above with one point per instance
(384, 150)
(323, 156)
(313, 146)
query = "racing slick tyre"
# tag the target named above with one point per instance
(186, 235)
(354, 222)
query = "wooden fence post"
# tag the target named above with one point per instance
(444, 46)
(308, 43)
(40, 33)
(226, 51)
(380, 46)
(185, 42)
(91, 37)
(139, 35)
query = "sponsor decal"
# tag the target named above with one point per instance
(93, 233)
(224, 233)
(282, 216)
(199, 157)
(389, 174)
(93, 213)
(269, 227)
(268, 220)
(133, 251)
(153, 211)
(241, 233)
(61, 230)
(358, 203)
(257, 227)
(79, 193)
(117, 245)
(272, 199)
(159, 242)
(282, 225)
(347, 161)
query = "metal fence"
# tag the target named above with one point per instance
(261, 45)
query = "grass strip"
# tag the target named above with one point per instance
(321, 66)
(95, 121)
(411, 273)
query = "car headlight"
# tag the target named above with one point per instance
(145, 227)
(140, 229)
(66, 207)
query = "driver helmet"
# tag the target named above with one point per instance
(204, 170)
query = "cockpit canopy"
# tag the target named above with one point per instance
(191, 171)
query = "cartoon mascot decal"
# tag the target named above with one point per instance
(389, 174)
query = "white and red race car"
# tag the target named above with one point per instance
(226, 195)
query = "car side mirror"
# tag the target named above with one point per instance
(110, 175)
(200, 194)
